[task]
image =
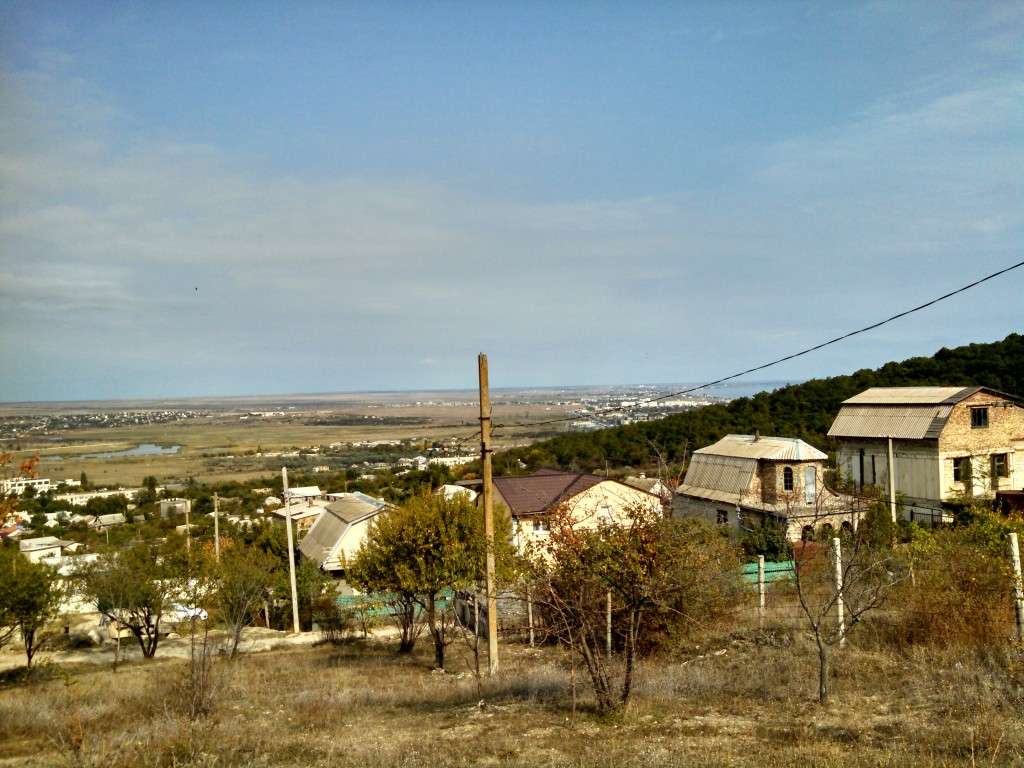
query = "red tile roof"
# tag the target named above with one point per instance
(543, 490)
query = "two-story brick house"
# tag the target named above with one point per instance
(948, 444)
(747, 481)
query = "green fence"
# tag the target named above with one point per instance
(379, 604)
(782, 571)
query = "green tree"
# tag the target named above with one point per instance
(134, 588)
(241, 583)
(30, 597)
(660, 574)
(426, 549)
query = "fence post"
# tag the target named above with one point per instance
(837, 557)
(1018, 586)
(760, 591)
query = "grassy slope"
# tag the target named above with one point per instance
(801, 410)
(361, 705)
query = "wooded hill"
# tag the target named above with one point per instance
(800, 410)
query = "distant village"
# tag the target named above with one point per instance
(922, 450)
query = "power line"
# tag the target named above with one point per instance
(786, 358)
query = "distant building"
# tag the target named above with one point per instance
(102, 522)
(652, 485)
(749, 481)
(44, 549)
(949, 444)
(17, 485)
(308, 494)
(341, 528)
(81, 499)
(170, 507)
(454, 491)
(532, 501)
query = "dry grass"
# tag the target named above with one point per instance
(359, 704)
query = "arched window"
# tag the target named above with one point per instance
(787, 478)
(846, 528)
(807, 534)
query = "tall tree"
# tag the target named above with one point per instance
(428, 548)
(642, 574)
(134, 588)
(30, 597)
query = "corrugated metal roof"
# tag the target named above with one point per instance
(707, 474)
(911, 396)
(771, 448)
(912, 422)
(323, 539)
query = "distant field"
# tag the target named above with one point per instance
(228, 434)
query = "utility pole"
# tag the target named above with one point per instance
(486, 455)
(837, 556)
(188, 527)
(216, 526)
(892, 483)
(291, 550)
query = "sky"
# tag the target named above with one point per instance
(203, 199)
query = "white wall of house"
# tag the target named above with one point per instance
(608, 500)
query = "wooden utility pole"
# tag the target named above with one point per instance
(291, 551)
(837, 556)
(892, 483)
(1018, 586)
(486, 455)
(216, 526)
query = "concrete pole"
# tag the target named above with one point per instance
(892, 483)
(608, 626)
(291, 551)
(837, 556)
(760, 592)
(216, 526)
(487, 456)
(188, 526)
(1018, 586)
(529, 613)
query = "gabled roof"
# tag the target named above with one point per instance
(542, 490)
(769, 448)
(911, 413)
(324, 538)
(42, 542)
(912, 396)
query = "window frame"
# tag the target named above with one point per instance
(788, 483)
(979, 417)
(722, 516)
(997, 460)
(958, 469)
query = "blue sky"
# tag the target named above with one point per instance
(366, 195)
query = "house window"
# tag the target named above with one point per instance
(787, 479)
(959, 470)
(1000, 466)
(807, 534)
(541, 526)
(723, 517)
(979, 418)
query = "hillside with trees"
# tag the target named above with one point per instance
(803, 410)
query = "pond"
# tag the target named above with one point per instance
(145, 449)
